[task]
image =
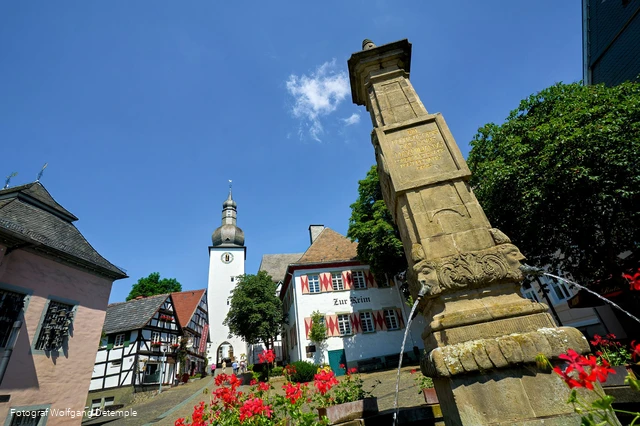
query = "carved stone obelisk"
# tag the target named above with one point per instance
(483, 336)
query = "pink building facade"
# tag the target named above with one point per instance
(54, 291)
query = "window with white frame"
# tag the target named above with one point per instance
(336, 281)
(314, 283)
(358, 279)
(559, 290)
(366, 322)
(155, 336)
(391, 319)
(119, 341)
(344, 324)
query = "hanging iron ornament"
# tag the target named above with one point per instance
(55, 327)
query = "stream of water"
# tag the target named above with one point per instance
(404, 340)
(594, 293)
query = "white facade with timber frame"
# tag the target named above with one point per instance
(138, 335)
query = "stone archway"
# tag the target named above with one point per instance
(224, 353)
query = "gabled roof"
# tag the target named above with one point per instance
(38, 192)
(330, 246)
(185, 304)
(276, 264)
(31, 218)
(132, 315)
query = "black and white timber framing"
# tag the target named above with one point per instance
(137, 334)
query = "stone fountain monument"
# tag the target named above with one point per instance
(483, 336)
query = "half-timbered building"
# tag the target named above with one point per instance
(191, 310)
(138, 350)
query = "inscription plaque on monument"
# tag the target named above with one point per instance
(419, 152)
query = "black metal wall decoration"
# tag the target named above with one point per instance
(55, 327)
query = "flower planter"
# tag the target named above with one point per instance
(618, 378)
(430, 396)
(350, 410)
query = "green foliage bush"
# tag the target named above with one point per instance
(277, 371)
(304, 371)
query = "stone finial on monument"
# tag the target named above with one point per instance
(483, 336)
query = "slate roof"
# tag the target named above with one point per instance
(330, 246)
(30, 215)
(185, 304)
(132, 315)
(276, 264)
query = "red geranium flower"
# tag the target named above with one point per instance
(324, 381)
(253, 382)
(252, 407)
(263, 386)
(292, 393)
(636, 349)
(267, 356)
(634, 280)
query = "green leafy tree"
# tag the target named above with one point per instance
(153, 285)
(561, 177)
(318, 330)
(379, 243)
(255, 312)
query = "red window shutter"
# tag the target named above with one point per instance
(347, 279)
(304, 284)
(325, 282)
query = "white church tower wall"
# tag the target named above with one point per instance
(226, 261)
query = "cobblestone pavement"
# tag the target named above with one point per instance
(163, 410)
(150, 411)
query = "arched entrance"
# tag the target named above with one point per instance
(224, 353)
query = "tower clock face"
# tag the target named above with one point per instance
(227, 257)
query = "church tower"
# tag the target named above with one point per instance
(227, 255)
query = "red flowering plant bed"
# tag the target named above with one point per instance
(609, 349)
(261, 405)
(584, 372)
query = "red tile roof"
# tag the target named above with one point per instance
(330, 246)
(185, 304)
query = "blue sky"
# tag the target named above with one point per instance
(144, 110)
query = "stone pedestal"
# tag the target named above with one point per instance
(483, 336)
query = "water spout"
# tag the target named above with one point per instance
(412, 315)
(531, 270)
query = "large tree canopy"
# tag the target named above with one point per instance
(561, 177)
(152, 285)
(255, 312)
(371, 225)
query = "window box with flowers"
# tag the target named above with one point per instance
(348, 400)
(156, 344)
(610, 352)
(166, 318)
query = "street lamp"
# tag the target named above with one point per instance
(163, 358)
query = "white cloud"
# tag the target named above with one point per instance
(350, 121)
(317, 95)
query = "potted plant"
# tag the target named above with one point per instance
(610, 352)
(425, 384)
(156, 344)
(348, 400)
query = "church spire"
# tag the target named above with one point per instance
(228, 234)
